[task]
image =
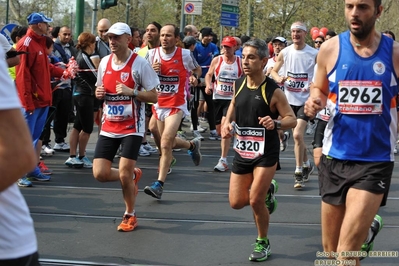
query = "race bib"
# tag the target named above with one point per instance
(118, 107)
(249, 142)
(360, 97)
(168, 85)
(297, 82)
(225, 87)
(324, 114)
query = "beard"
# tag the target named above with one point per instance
(364, 29)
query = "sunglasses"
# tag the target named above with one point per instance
(318, 42)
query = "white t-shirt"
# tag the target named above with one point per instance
(17, 234)
(298, 68)
(4, 43)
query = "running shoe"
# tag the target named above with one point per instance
(375, 228)
(200, 128)
(214, 136)
(86, 163)
(172, 163)
(298, 180)
(271, 201)
(307, 171)
(198, 135)
(149, 148)
(261, 251)
(155, 190)
(47, 150)
(222, 166)
(44, 169)
(284, 143)
(181, 135)
(143, 152)
(195, 154)
(137, 175)
(128, 223)
(61, 147)
(74, 162)
(24, 182)
(38, 176)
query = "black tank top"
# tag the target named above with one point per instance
(251, 104)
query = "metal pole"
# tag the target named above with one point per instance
(183, 16)
(80, 8)
(7, 10)
(94, 18)
(127, 11)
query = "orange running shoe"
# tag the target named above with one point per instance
(128, 223)
(138, 173)
(44, 169)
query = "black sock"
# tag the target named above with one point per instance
(81, 157)
(144, 143)
(72, 156)
(160, 182)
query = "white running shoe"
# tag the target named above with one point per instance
(74, 162)
(198, 135)
(143, 152)
(61, 146)
(86, 162)
(214, 136)
(181, 135)
(47, 150)
(200, 128)
(149, 148)
(222, 166)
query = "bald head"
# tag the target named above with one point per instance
(102, 27)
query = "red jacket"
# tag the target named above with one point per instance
(34, 71)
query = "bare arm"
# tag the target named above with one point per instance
(319, 89)
(274, 73)
(209, 74)
(17, 157)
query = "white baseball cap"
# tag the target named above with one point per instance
(119, 28)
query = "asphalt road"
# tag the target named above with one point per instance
(76, 217)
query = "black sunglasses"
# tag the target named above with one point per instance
(318, 42)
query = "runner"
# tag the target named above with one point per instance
(357, 80)
(257, 103)
(125, 81)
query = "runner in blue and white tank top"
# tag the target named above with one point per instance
(357, 80)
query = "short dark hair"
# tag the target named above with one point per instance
(156, 24)
(331, 33)
(177, 30)
(245, 38)
(390, 33)
(55, 31)
(18, 31)
(134, 29)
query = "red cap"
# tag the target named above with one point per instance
(229, 41)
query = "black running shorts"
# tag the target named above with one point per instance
(107, 147)
(299, 112)
(336, 177)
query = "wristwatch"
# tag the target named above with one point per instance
(277, 124)
(135, 93)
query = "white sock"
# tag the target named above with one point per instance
(131, 214)
(298, 169)
(306, 164)
(213, 131)
(223, 159)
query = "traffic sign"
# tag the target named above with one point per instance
(229, 23)
(230, 16)
(230, 13)
(230, 2)
(193, 7)
(233, 9)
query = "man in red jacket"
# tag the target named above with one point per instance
(33, 83)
